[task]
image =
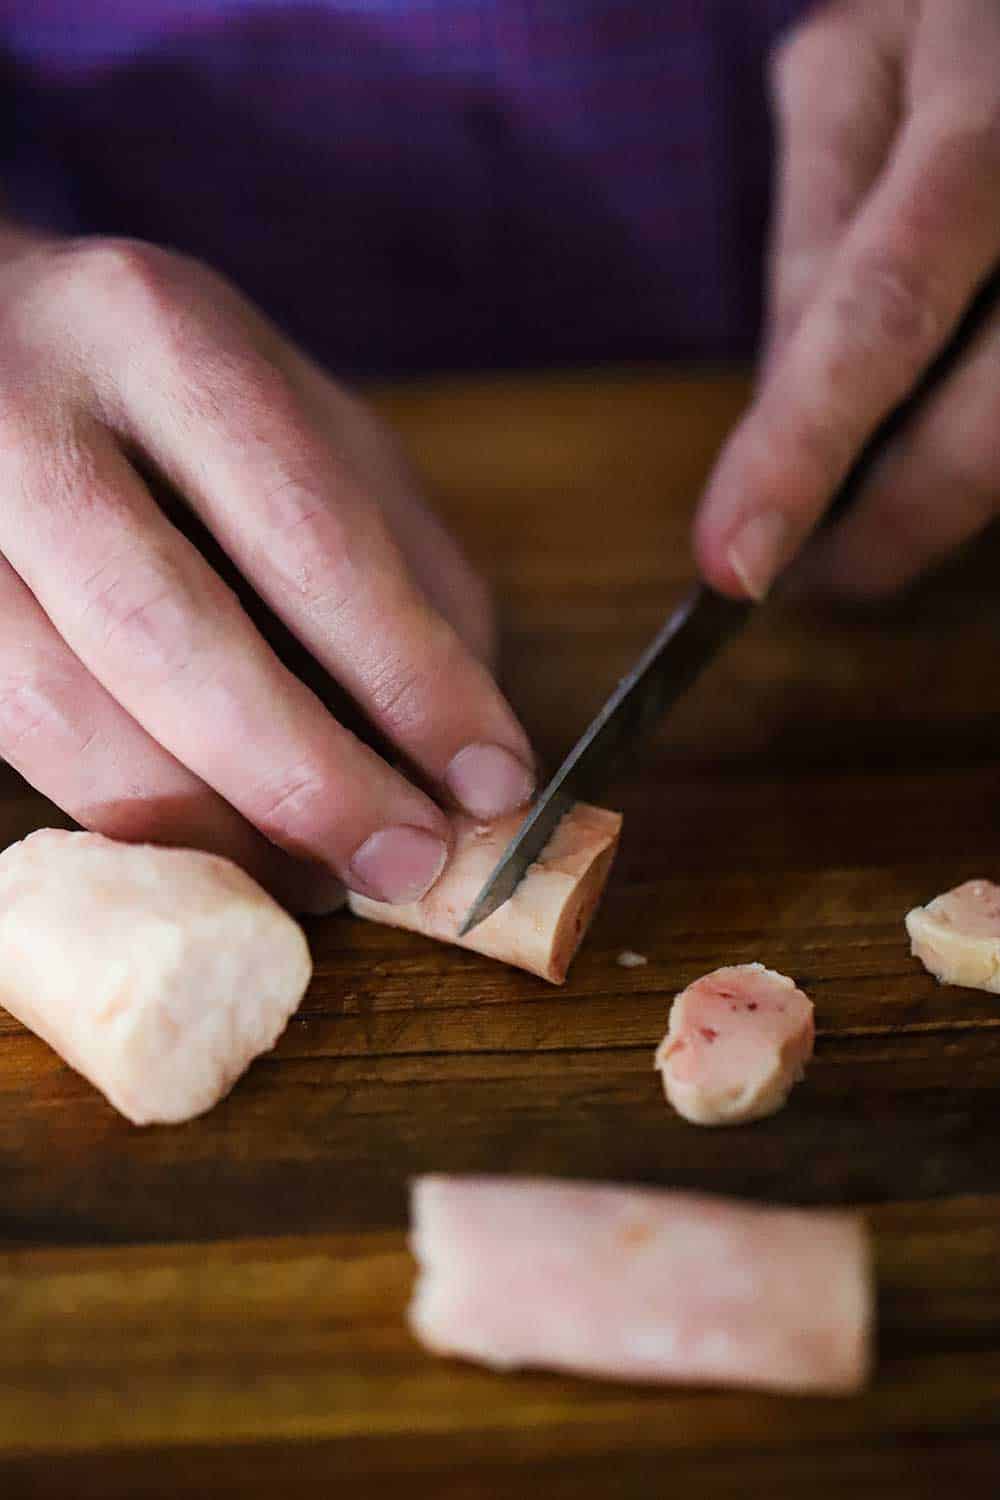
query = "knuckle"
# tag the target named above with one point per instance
(292, 807)
(142, 613)
(889, 301)
(33, 704)
(111, 270)
(305, 544)
(415, 673)
(121, 262)
(400, 694)
(161, 301)
(124, 299)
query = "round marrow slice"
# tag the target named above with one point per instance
(738, 1039)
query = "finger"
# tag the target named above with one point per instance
(894, 291)
(158, 629)
(230, 431)
(935, 489)
(836, 95)
(438, 565)
(69, 738)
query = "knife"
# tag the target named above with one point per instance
(692, 637)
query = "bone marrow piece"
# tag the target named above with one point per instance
(159, 974)
(631, 960)
(640, 1284)
(543, 923)
(738, 1039)
(957, 936)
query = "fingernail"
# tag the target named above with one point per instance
(488, 781)
(399, 864)
(757, 551)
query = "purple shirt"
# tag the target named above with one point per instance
(417, 184)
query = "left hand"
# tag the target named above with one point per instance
(888, 220)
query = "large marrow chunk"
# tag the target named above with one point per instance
(957, 936)
(640, 1284)
(159, 974)
(541, 926)
(738, 1039)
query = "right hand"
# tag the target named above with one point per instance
(134, 690)
(887, 228)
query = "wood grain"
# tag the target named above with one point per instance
(217, 1309)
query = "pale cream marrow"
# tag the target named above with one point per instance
(159, 974)
(957, 936)
(543, 923)
(640, 1284)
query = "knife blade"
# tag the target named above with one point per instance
(690, 639)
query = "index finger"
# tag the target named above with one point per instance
(157, 628)
(227, 425)
(905, 272)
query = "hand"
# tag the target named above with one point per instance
(888, 220)
(134, 690)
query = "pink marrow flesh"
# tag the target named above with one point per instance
(738, 1039)
(641, 1285)
(159, 974)
(543, 923)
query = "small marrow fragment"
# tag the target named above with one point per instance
(640, 1284)
(543, 923)
(738, 1039)
(957, 936)
(159, 974)
(630, 960)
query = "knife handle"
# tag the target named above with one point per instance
(975, 316)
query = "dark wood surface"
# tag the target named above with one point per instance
(217, 1309)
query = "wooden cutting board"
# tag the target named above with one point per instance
(217, 1309)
